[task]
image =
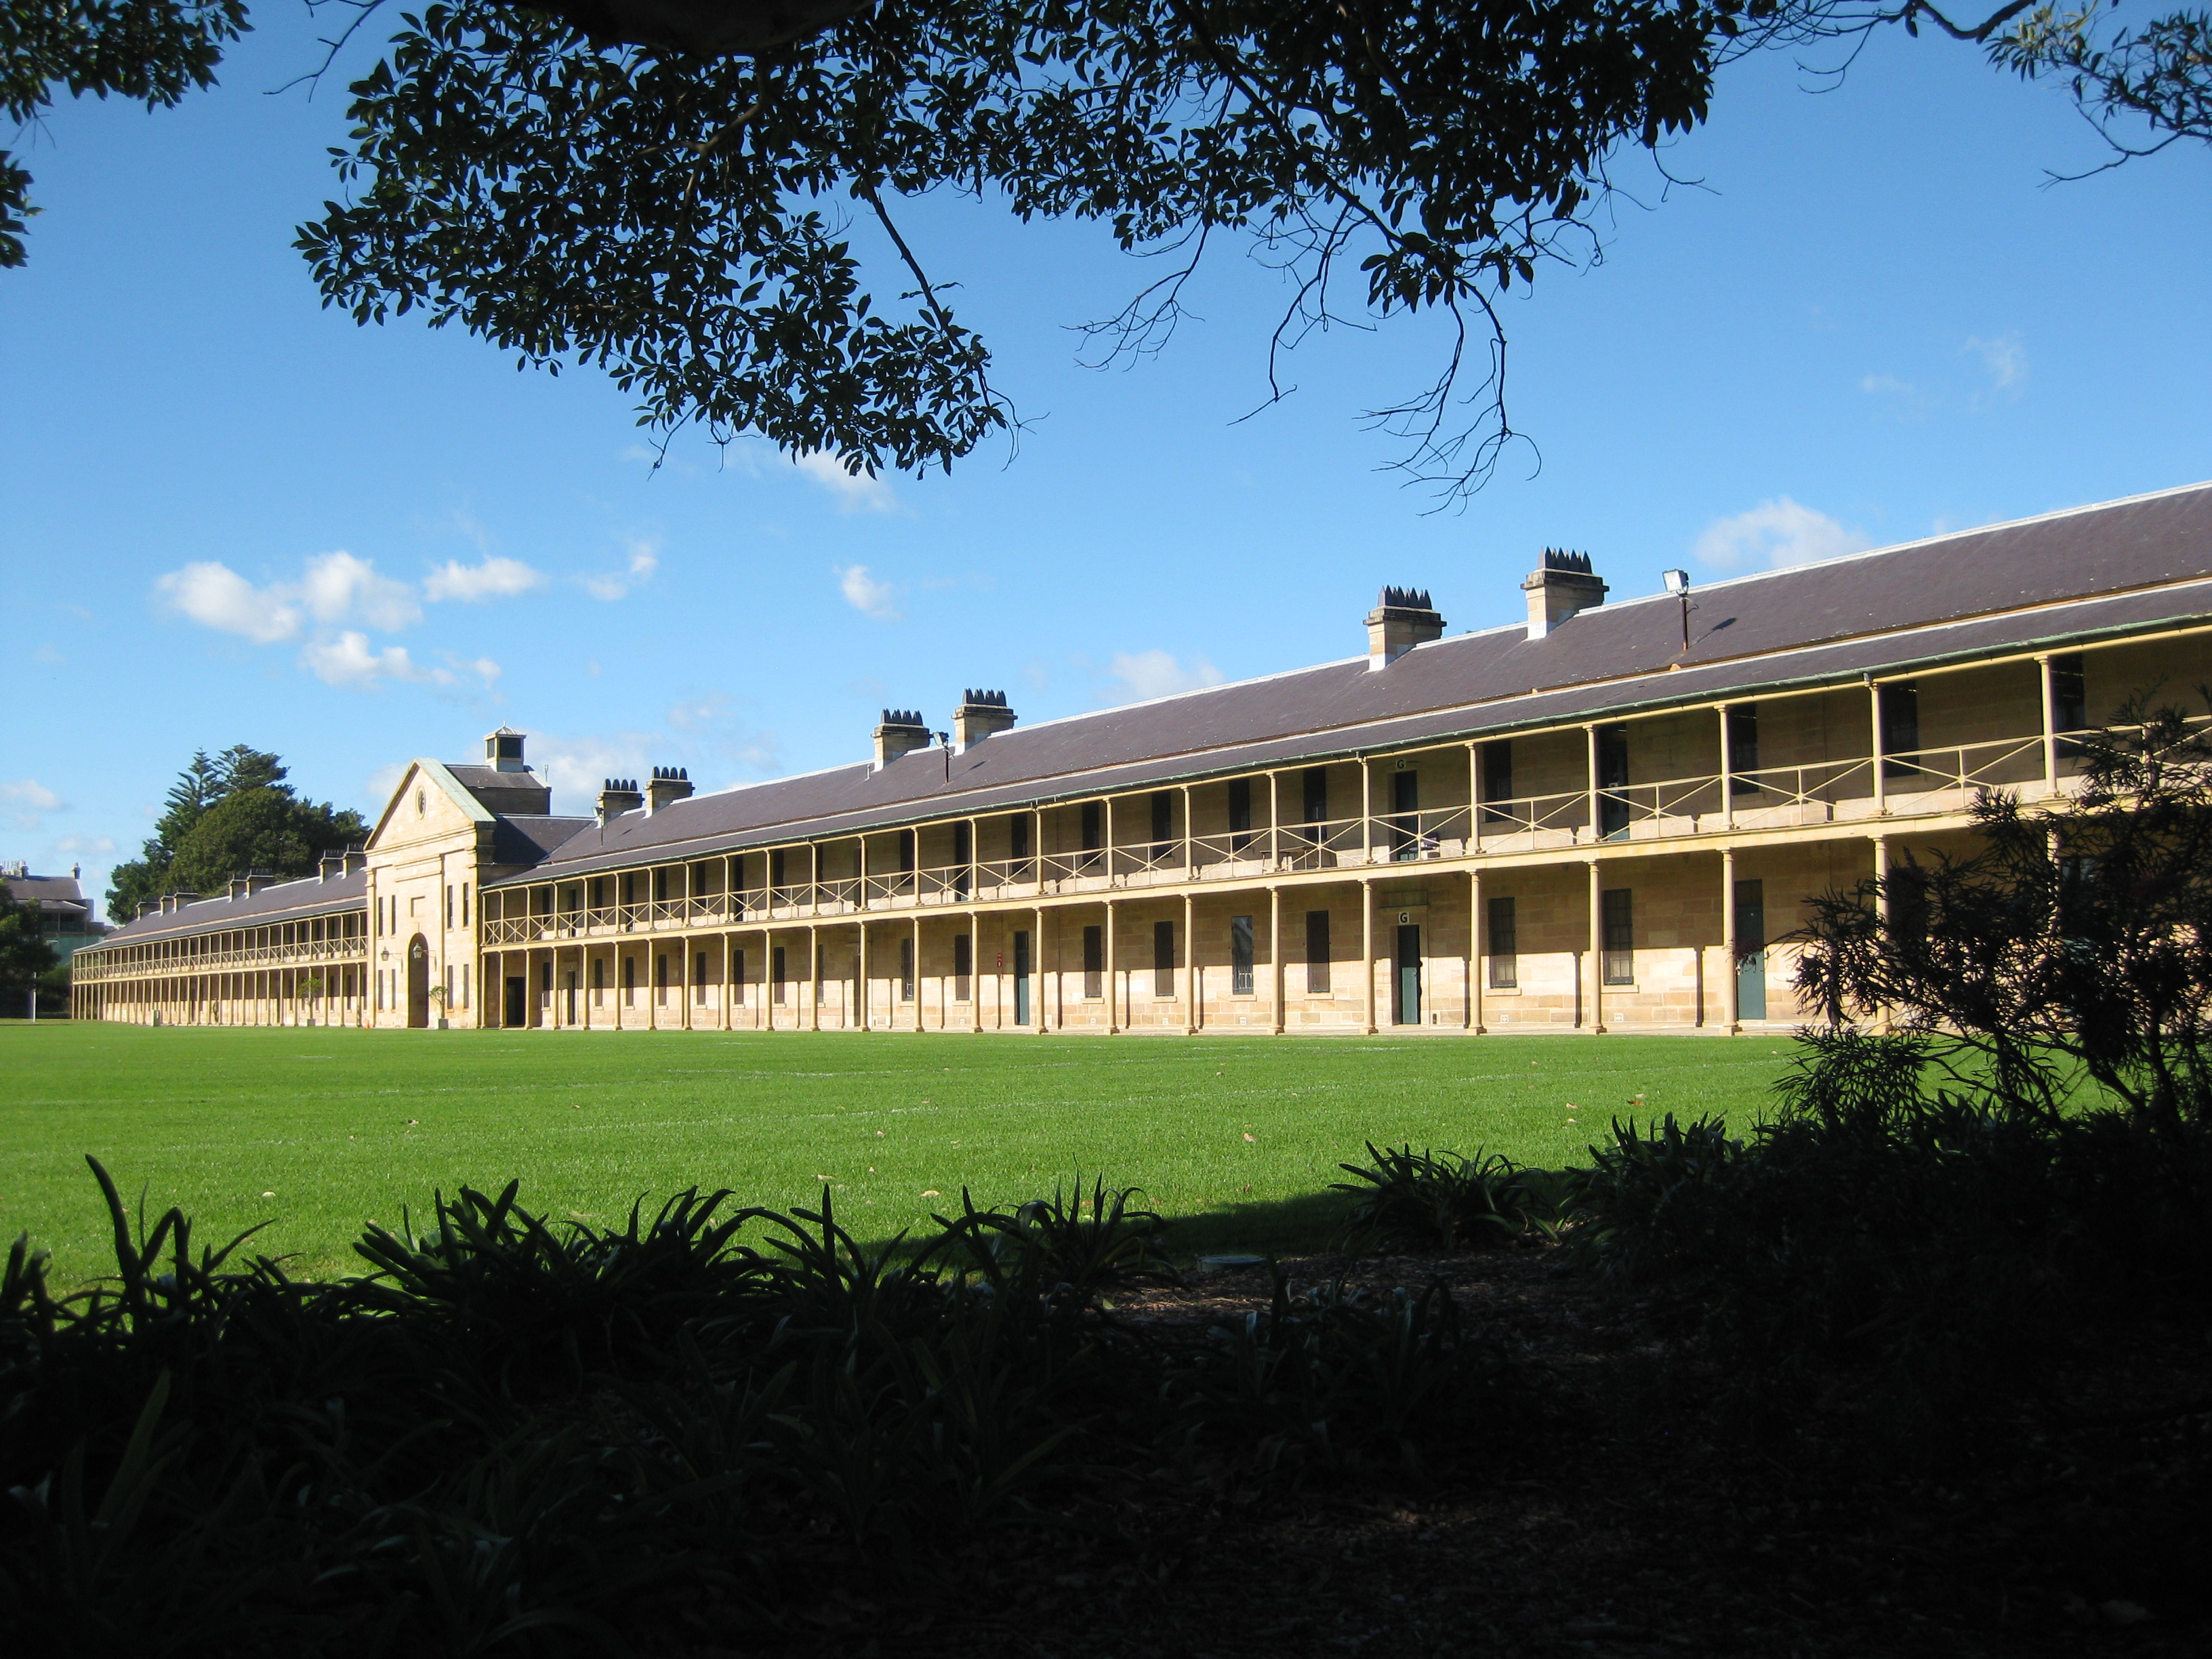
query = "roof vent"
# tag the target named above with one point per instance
(1559, 586)
(617, 797)
(980, 715)
(900, 732)
(668, 785)
(1402, 619)
(503, 750)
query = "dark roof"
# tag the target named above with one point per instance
(49, 893)
(2115, 568)
(288, 900)
(526, 839)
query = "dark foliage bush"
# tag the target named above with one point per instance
(1431, 1201)
(1917, 1255)
(514, 1437)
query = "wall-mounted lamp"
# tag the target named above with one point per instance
(1678, 584)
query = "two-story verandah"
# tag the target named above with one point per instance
(1618, 870)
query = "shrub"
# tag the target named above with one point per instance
(1437, 1201)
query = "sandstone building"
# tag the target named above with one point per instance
(1598, 819)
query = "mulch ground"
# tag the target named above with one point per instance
(1637, 1519)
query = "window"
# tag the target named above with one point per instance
(1094, 961)
(1162, 818)
(1315, 787)
(660, 885)
(1497, 776)
(777, 968)
(737, 976)
(906, 969)
(598, 981)
(1240, 813)
(1618, 911)
(699, 980)
(1018, 837)
(1611, 775)
(449, 904)
(1743, 749)
(777, 873)
(465, 985)
(1094, 821)
(1240, 956)
(660, 977)
(464, 904)
(1405, 806)
(1317, 953)
(1900, 725)
(1504, 945)
(630, 981)
(1164, 959)
(906, 852)
(964, 966)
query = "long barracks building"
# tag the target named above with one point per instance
(1593, 821)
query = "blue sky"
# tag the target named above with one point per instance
(226, 515)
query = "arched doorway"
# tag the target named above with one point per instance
(418, 983)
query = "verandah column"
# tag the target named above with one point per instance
(1275, 949)
(1367, 944)
(867, 989)
(814, 973)
(1036, 970)
(1476, 975)
(1113, 990)
(918, 1024)
(1596, 950)
(1733, 987)
(2050, 695)
(1193, 1016)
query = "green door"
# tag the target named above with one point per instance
(1409, 975)
(1750, 951)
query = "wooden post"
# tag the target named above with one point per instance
(1730, 998)
(1037, 1021)
(1194, 1015)
(1275, 949)
(1874, 711)
(1367, 943)
(2050, 690)
(1597, 947)
(1475, 973)
(1274, 822)
(974, 971)
(1189, 846)
(1366, 825)
(1474, 798)
(1113, 988)
(917, 974)
(860, 954)
(1590, 733)
(1728, 772)
(814, 974)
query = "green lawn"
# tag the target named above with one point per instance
(316, 1130)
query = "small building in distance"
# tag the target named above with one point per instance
(66, 918)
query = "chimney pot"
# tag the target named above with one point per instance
(980, 715)
(1561, 585)
(668, 785)
(900, 732)
(1402, 619)
(617, 797)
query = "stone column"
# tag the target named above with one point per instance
(1367, 946)
(1596, 946)
(1037, 1020)
(1730, 994)
(1275, 946)
(2050, 695)
(1193, 1013)
(1475, 922)
(1113, 987)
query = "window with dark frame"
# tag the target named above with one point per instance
(776, 867)
(964, 966)
(630, 981)
(738, 976)
(2069, 701)
(906, 852)
(1240, 811)
(660, 978)
(1163, 822)
(780, 975)
(906, 969)
(699, 980)
(1164, 958)
(1094, 962)
(1743, 749)
(1017, 836)
(1497, 777)
(1612, 777)
(1317, 953)
(1900, 726)
(1505, 945)
(1240, 956)
(1618, 911)
(1094, 825)
(1406, 810)
(1313, 788)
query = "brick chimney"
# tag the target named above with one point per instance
(668, 785)
(1402, 619)
(1558, 587)
(980, 715)
(617, 797)
(900, 732)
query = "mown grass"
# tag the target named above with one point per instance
(317, 1131)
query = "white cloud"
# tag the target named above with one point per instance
(383, 781)
(349, 661)
(1145, 674)
(339, 587)
(866, 594)
(47, 653)
(2004, 358)
(30, 798)
(486, 670)
(215, 596)
(644, 560)
(1880, 386)
(1774, 533)
(856, 492)
(495, 579)
(85, 844)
